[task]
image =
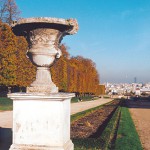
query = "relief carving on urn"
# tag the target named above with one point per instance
(47, 39)
(44, 36)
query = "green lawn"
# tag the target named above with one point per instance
(85, 98)
(127, 136)
(5, 104)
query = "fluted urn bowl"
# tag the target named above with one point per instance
(44, 36)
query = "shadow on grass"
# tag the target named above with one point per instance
(5, 138)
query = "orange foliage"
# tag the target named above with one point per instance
(8, 59)
(15, 68)
(100, 90)
(76, 74)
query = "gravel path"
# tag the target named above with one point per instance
(6, 119)
(81, 106)
(140, 112)
(5, 130)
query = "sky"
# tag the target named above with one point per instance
(115, 34)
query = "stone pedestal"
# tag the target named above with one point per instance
(41, 122)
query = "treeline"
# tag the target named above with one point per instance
(75, 74)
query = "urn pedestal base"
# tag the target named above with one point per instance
(41, 122)
(43, 82)
(42, 89)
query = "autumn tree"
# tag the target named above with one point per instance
(73, 75)
(8, 59)
(15, 68)
(102, 89)
(8, 11)
(59, 70)
(83, 76)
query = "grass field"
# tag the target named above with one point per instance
(5, 104)
(127, 136)
(85, 98)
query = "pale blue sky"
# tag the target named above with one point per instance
(115, 34)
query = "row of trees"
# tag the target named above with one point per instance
(70, 74)
(75, 74)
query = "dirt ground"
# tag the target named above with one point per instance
(93, 124)
(140, 112)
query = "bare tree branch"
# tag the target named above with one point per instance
(9, 11)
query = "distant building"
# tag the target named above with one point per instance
(135, 80)
(137, 92)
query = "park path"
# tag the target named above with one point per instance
(6, 119)
(6, 116)
(81, 106)
(140, 112)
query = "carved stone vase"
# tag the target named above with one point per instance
(44, 36)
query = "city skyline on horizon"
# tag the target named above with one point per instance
(115, 35)
(130, 81)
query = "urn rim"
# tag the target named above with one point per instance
(68, 26)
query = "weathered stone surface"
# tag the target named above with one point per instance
(41, 122)
(43, 82)
(67, 146)
(71, 23)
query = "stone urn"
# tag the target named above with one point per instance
(44, 36)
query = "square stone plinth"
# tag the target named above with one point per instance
(41, 122)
